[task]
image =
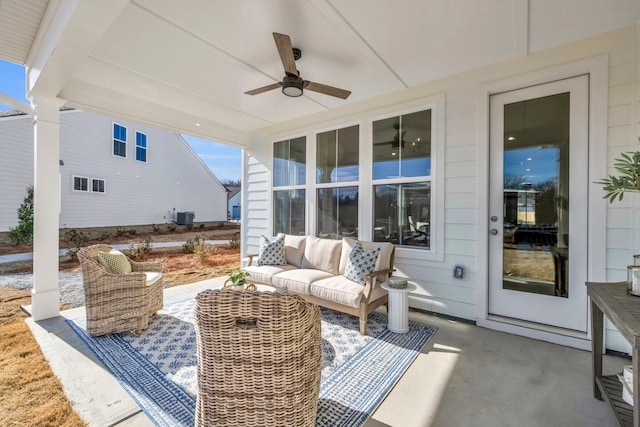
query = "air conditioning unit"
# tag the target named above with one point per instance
(185, 218)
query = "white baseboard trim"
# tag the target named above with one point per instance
(581, 343)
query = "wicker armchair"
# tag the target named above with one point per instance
(259, 356)
(118, 302)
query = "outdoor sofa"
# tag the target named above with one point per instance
(322, 271)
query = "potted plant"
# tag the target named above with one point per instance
(628, 180)
(237, 279)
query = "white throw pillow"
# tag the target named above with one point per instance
(361, 263)
(115, 261)
(272, 253)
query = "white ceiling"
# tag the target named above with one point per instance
(178, 63)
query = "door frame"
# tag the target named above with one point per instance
(597, 69)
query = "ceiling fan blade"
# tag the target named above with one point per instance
(264, 89)
(327, 90)
(285, 50)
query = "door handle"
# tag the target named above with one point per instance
(493, 231)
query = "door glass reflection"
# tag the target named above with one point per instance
(536, 196)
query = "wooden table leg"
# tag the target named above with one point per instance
(636, 401)
(597, 335)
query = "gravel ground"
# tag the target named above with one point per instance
(71, 292)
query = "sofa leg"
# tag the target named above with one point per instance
(363, 325)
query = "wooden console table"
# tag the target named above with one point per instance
(611, 300)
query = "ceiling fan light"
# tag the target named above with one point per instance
(292, 87)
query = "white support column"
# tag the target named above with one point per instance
(45, 295)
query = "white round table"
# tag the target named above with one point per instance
(398, 307)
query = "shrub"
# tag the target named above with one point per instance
(23, 233)
(156, 228)
(235, 240)
(171, 227)
(139, 249)
(104, 236)
(77, 240)
(121, 231)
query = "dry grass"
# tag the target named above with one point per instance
(31, 394)
(533, 264)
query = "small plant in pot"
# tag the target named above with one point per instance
(237, 279)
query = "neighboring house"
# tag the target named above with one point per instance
(235, 202)
(112, 173)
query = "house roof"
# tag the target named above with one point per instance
(187, 67)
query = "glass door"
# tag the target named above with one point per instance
(538, 204)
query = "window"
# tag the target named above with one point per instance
(289, 178)
(97, 185)
(141, 147)
(80, 183)
(337, 212)
(402, 179)
(337, 164)
(288, 209)
(119, 140)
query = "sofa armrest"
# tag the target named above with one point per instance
(373, 282)
(249, 258)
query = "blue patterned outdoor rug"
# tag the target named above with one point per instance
(158, 367)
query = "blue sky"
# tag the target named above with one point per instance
(223, 160)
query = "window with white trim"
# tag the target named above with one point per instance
(80, 183)
(401, 173)
(141, 147)
(119, 140)
(97, 185)
(289, 179)
(337, 176)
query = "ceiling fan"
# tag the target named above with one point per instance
(397, 141)
(292, 84)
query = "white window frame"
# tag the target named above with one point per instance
(73, 183)
(304, 186)
(436, 104)
(314, 186)
(104, 185)
(114, 139)
(145, 148)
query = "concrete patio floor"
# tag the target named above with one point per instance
(465, 376)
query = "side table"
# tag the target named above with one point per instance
(611, 300)
(398, 307)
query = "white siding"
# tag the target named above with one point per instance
(136, 192)
(437, 290)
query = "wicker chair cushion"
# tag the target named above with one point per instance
(152, 277)
(361, 263)
(115, 261)
(272, 253)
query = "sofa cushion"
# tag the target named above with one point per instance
(384, 259)
(294, 249)
(265, 273)
(115, 261)
(272, 253)
(360, 263)
(338, 289)
(299, 280)
(322, 254)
